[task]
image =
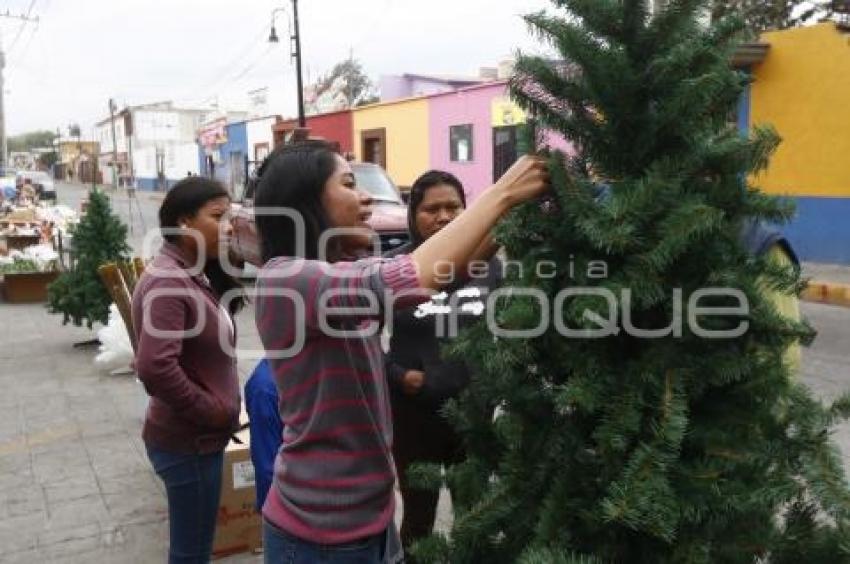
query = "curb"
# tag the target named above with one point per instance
(827, 293)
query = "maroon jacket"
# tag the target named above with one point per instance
(181, 359)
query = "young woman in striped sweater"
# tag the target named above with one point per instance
(319, 312)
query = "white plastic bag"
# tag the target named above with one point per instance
(115, 349)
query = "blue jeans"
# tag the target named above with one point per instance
(193, 485)
(280, 547)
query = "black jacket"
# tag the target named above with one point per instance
(415, 345)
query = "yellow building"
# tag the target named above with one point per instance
(802, 88)
(395, 135)
(77, 160)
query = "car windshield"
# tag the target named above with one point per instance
(373, 180)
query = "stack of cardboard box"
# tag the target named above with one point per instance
(239, 525)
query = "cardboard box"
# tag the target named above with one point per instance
(238, 525)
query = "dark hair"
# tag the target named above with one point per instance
(184, 199)
(417, 194)
(293, 176)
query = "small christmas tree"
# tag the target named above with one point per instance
(100, 237)
(671, 447)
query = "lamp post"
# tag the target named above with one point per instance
(296, 46)
(59, 156)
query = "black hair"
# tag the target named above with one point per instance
(417, 194)
(293, 176)
(184, 199)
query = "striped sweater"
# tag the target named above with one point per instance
(334, 476)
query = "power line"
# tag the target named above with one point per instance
(378, 21)
(3, 140)
(24, 23)
(215, 87)
(252, 66)
(221, 72)
(20, 55)
(212, 88)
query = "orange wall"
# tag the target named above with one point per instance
(803, 89)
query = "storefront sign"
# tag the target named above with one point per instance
(505, 112)
(213, 133)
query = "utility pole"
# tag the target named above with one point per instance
(114, 144)
(129, 130)
(4, 149)
(72, 130)
(296, 53)
(58, 155)
(302, 120)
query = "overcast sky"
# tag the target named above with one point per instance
(82, 52)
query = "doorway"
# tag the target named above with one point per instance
(373, 143)
(504, 149)
(237, 175)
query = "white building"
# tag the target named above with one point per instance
(155, 144)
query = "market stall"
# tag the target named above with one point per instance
(30, 238)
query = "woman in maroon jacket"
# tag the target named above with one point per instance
(182, 316)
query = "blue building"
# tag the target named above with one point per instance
(224, 159)
(229, 151)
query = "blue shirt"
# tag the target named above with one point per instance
(261, 403)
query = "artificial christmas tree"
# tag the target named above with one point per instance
(627, 424)
(100, 237)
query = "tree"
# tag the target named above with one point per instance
(47, 160)
(761, 15)
(345, 86)
(100, 237)
(587, 441)
(32, 140)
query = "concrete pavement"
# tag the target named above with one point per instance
(75, 483)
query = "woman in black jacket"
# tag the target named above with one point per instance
(420, 380)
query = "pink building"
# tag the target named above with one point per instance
(473, 134)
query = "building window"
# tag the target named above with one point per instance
(460, 143)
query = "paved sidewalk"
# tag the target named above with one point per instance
(75, 483)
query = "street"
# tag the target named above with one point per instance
(75, 483)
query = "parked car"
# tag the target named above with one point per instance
(8, 188)
(41, 181)
(389, 215)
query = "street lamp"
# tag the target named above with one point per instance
(296, 46)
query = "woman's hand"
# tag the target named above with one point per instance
(412, 382)
(528, 178)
